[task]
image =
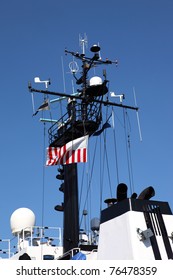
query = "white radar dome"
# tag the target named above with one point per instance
(22, 219)
(95, 81)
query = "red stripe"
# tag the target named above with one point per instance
(50, 152)
(64, 154)
(49, 156)
(85, 154)
(73, 156)
(78, 155)
(61, 154)
(54, 162)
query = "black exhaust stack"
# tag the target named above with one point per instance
(121, 192)
(147, 193)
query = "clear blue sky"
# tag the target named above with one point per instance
(33, 36)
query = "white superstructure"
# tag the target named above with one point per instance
(135, 229)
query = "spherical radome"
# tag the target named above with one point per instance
(95, 81)
(22, 219)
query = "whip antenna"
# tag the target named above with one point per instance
(63, 76)
(137, 115)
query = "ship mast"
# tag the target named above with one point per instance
(83, 117)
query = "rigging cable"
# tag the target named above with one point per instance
(46, 97)
(89, 178)
(115, 146)
(101, 185)
(43, 184)
(89, 181)
(106, 158)
(82, 184)
(128, 151)
(44, 147)
(105, 149)
(43, 180)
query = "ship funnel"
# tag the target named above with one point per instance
(121, 192)
(147, 193)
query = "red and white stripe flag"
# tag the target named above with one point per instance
(72, 152)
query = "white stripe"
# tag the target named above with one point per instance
(75, 156)
(70, 156)
(81, 155)
(78, 143)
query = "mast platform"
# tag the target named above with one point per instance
(81, 120)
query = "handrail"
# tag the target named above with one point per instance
(92, 113)
(31, 236)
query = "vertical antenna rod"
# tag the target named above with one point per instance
(63, 76)
(137, 115)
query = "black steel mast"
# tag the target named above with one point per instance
(83, 117)
(71, 211)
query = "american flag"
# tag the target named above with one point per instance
(73, 152)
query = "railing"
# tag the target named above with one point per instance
(78, 113)
(5, 251)
(31, 236)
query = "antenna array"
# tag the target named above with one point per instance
(83, 42)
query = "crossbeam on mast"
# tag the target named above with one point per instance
(81, 98)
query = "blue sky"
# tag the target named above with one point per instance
(33, 37)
